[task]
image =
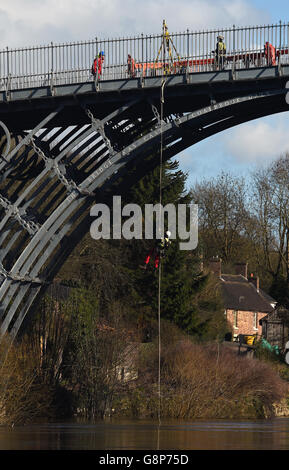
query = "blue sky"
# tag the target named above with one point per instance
(277, 10)
(238, 150)
(265, 138)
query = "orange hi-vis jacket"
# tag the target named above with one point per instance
(97, 66)
(270, 54)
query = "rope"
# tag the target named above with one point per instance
(160, 262)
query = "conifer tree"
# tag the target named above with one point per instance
(181, 279)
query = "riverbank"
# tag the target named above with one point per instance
(198, 381)
(207, 382)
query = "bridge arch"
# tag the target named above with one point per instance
(80, 144)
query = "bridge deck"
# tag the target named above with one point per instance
(31, 102)
(129, 84)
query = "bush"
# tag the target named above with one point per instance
(23, 398)
(207, 381)
(212, 381)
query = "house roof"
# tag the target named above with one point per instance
(268, 297)
(280, 315)
(240, 294)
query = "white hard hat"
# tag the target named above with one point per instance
(168, 233)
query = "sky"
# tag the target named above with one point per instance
(238, 150)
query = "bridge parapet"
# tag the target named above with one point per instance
(186, 52)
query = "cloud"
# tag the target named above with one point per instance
(32, 22)
(239, 150)
(208, 158)
(259, 141)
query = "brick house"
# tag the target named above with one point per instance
(245, 303)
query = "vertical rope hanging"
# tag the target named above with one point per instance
(160, 265)
(160, 224)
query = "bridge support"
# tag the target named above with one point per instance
(53, 174)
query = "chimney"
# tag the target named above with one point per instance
(242, 268)
(215, 266)
(255, 281)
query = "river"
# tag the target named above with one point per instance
(144, 434)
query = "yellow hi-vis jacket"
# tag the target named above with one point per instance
(164, 243)
(221, 48)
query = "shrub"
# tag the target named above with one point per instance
(22, 397)
(208, 381)
(212, 381)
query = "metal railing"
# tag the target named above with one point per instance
(67, 63)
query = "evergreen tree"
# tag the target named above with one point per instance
(181, 279)
(280, 291)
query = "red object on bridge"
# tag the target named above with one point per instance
(130, 66)
(97, 65)
(270, 54)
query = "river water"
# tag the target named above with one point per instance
(144, 434)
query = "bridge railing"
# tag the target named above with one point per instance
(190, 52)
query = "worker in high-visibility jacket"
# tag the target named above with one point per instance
(98, 64)
(270, 54)
(220, 53)
(159, 250)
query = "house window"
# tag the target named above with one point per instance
(255, 320)
(235, 319)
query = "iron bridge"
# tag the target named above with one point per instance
(70, 139)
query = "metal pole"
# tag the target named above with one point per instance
(280, 45)
(142, 51)
(188, 45)
(52, 66)
(96, 75)
(8, 72)
(234, 49)
(287, 41)
(8, 68)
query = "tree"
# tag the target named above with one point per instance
(178, 268)
(97, 354)
(222, 215)
(181, 277)
(279, 290)
(270, 207)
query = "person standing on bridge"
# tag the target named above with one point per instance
(98, 65)
(130, 66)
(220, 53)
(270, 54)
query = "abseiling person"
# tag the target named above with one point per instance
(158, 251)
